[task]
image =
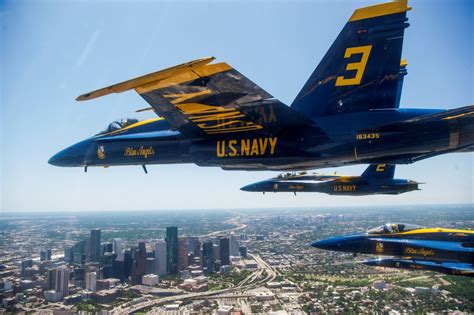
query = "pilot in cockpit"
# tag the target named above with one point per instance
(119, 124)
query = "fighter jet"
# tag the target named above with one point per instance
(442, 250)
(376, 179)
(347, 112)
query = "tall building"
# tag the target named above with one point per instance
(183, 251)
(193, 240)
(79, 253)
(198, 253)
(234, 245)
(58, 280)
(139, 264)
(117, 247)
(127, 263)
(68, 254)
(208, 256)
(95, 248)
(106, 248)
(160, 258)
(224, 251)
(91, 281)
(172, 250)
(28, 263)
(42, 255)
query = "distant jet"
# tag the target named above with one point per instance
(346, 113)
(376, 179)
(416, 247)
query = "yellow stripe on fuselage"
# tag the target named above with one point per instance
(137, 124)
(380, 10)
(434, 230)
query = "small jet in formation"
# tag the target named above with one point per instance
(416, 247)
(347, 112)
(376, 179)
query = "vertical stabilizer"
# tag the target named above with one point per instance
(361, 69)
(378, 172)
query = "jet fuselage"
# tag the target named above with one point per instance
(330, 141)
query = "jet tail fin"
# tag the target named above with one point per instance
(379, 171)
(362, 68)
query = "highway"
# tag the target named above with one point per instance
(251, 282)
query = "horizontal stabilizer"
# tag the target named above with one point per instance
(462, 114)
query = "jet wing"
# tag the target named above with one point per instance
(199, 98)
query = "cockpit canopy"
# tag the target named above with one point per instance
(119, 124)
(390, 228)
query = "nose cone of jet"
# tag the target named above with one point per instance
(74, 155)
(260, 186)
(251, 187)
(328, 244)
(346, 243)
(373, 262)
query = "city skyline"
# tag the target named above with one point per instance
(274, 269)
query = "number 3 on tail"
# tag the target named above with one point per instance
(359, 67)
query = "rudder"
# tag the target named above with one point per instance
(362, 68)
(379, 171)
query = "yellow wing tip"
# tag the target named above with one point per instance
(381, 9)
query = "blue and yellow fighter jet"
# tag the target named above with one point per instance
(376, 179)
(447, 251)
(346, 113)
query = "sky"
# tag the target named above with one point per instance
(53, 51)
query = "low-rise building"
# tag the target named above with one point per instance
(151, 280)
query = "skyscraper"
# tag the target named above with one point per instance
(91, 281)
(208, 256)
(139, 265)
(79, 252)
(172, 250)
(198, 252)
(118, 248)
(193, 240)
(160, 257)
(28, 263)
(68, 254)
(183, 251)
(224, 251)
(234, 246)
(95, 248)
(58, 280)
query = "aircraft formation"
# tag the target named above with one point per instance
(347, 113)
